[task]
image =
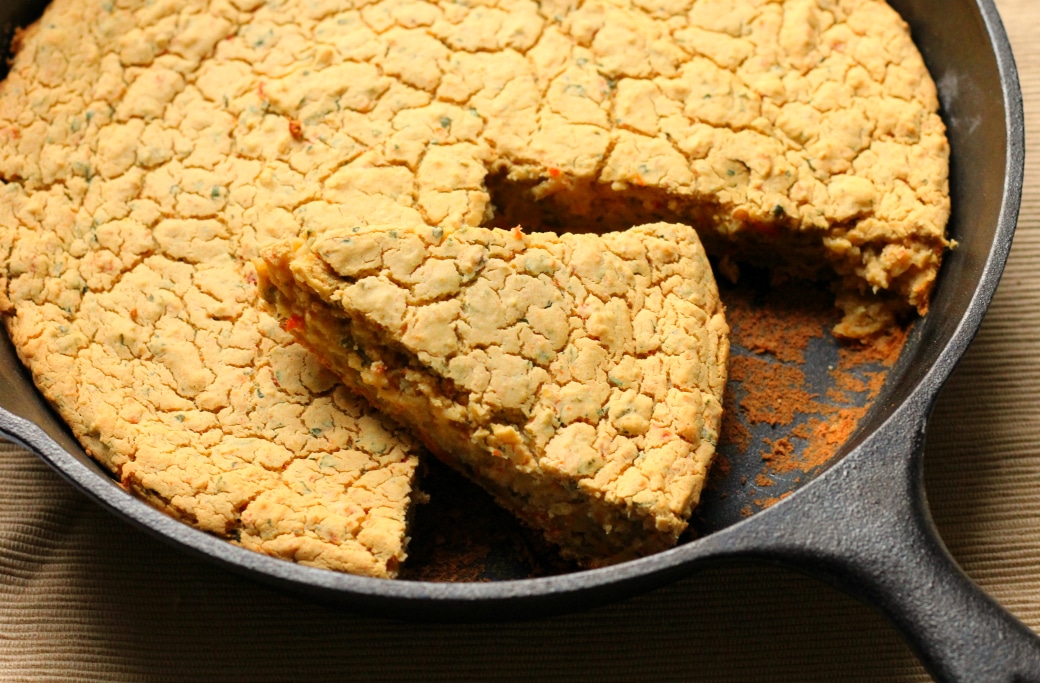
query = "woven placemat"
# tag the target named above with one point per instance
(85, 597)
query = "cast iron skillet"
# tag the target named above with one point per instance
(862, 524)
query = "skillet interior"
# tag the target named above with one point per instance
(954, 41)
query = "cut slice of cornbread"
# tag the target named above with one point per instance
(576, 377)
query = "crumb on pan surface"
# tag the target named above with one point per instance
(149, 149)
(578, 378)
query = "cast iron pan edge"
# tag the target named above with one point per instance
(862, 526)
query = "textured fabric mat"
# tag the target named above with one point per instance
(85, 597)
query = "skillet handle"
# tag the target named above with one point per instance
(866, 529)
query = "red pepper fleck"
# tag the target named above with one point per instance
(518, 232)
(293, 323)
(554, 172)
(260, 90)
(295, 129)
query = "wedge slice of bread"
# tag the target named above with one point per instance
(576, 377)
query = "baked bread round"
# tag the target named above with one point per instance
(149, 149)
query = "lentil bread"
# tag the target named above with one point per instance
(149, 148)
(578, 378)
